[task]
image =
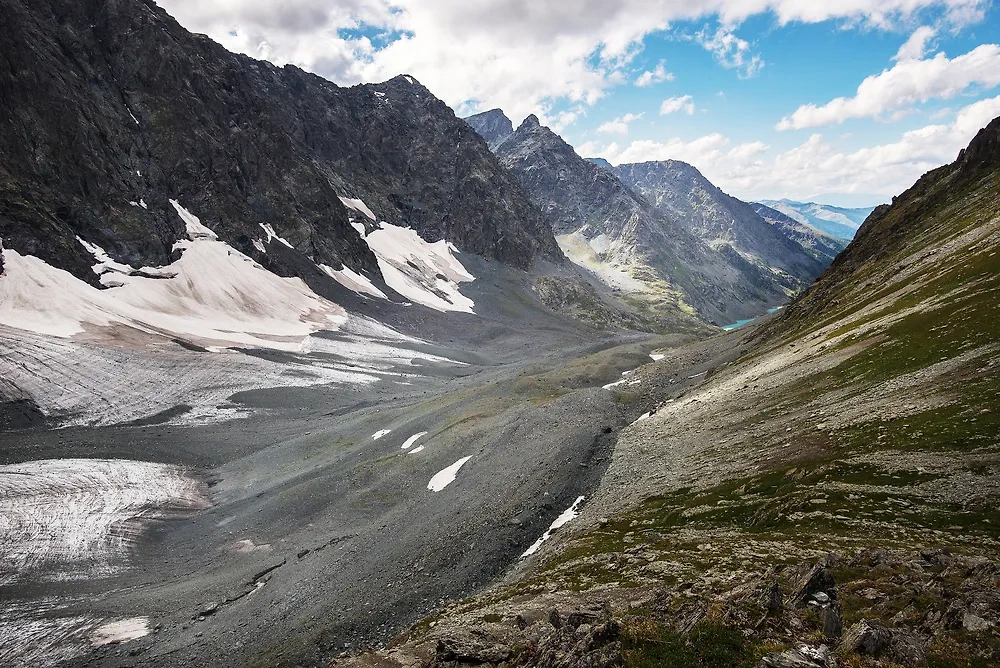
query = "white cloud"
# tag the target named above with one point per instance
(915, 48)
(731, 51)
(657, 75)
(683, 103)
(749, 170)
(619, 125)
(908, 82)
(520, 55)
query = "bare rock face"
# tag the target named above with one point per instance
(589, 203)
(110, 109)
(493, 126)
(803, 657)
(679, 189)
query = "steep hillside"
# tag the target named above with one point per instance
(627, 242)
(719, 219)
(835, 221)
(110, 109)
(820, 490)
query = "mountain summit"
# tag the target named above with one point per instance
(110, 110)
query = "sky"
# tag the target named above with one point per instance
(845, 102)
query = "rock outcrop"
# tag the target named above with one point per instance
(110, 109)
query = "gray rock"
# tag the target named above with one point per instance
(816, 579)
(971, 622)
(803, 657)
(907, 649)
(867, 637)
(833, 624)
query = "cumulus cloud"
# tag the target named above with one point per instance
(910, 81)
(683, 103)
(751, 171)
(619, 125)
(657, 75)
(916, 47)
(520, 55)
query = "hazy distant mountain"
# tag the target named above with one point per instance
(837, 221)
(810, 238)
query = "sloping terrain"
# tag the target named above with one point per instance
(679, 189)
(826, 494)
(110, 110)
(644, 254)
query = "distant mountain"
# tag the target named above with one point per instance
(601, 162)
(493, 126)
(835, 221)
(631, 245)
(824, 245)
(720, 220)
(110, 110)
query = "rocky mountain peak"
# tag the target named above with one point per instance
(493, 126)
(125, 110)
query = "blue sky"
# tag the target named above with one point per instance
(847, 102)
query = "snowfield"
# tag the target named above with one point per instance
(213, 296)
(425, 273)
(88, 356)
(76, 518)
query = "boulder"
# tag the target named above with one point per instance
(803, 657)
(867, 637)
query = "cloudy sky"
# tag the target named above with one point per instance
(842, 101)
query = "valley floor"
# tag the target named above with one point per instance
(325, 518)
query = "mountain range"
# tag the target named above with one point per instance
(832, 220)
(296, 374)
(660, 232)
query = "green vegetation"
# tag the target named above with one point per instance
(708, 645)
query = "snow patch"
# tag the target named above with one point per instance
(359, 206)
(417, 449)
(271, 234)
(565, 518)
(446, 476)
(425, 273)
(120, 631)
(656, 357)
(195, 230)
(105, 263)
(411, 440)
(352, 280)
(380, 433)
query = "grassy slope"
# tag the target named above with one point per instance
(863, 431)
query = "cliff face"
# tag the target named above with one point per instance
(628, 242)
(493, 126)
(719, 219)
(110, 109)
